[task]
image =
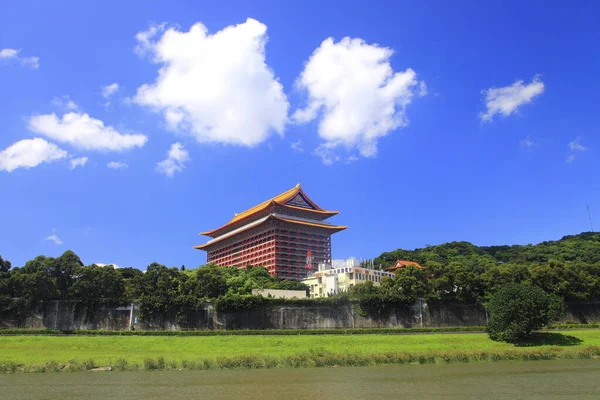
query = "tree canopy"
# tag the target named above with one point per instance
(461, 271)
(456, 271)
(160, 290)
(517, 310)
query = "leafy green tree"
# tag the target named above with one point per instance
(411, 283)
(94, 283)
(62, 269)
(159, 291)
(290, 285)
(376, 301)
(4, 265)
(211, 281)
(517, 310)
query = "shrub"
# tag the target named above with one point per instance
(517, 310)
(238, 302)
(121, 364)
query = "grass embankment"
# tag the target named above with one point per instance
(55, 353)
(276, 332)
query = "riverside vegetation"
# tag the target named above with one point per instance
(457, 271)
(77, 353)
(454, 272)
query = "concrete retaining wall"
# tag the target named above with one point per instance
(66, 315)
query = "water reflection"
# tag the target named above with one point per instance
(564, 379)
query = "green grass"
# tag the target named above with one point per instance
(52, 353)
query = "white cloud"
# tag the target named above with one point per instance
(574, 147)
(115, 266)
(55, 239)
(84, 132)
(360, 97)
(216, 87)
(78, 162)
(528, 142)
(144, 39)
(109, 90)
(176, 157)
(65, 102)
(13, 54)
(117, 165)
(506, 100)
(9, 53)
(327, 154)
(297, 146)
(422, 89)
(29, 153)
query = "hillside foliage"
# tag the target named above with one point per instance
(461, 271)
(456, 271)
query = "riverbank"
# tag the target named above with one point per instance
(78, 353)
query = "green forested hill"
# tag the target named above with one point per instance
(569, 267)
(584, 247)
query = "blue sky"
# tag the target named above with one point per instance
(421, 122)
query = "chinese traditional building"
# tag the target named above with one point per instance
(277, 234)
(403, 264)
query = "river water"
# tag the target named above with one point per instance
(561, 379)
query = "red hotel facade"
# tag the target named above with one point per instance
(276, 234)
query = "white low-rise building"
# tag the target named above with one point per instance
(279, 293)
(330, 280)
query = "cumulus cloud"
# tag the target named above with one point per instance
(78, 162)
(357, 94)
(13, 54)
(84, 132)
(29, 153)
(574, 147)
(65, 102)
(55, 239)
(117, 165)
(176, 157)
(109, 90)
(216, 87)
(506, 100)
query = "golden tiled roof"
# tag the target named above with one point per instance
(326, 226)
(280, 200)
